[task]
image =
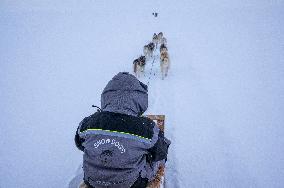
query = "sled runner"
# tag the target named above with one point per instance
(159, 181)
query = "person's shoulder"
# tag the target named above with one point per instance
(92, 116)
(89, 120)
(111, 117)
(143, 120)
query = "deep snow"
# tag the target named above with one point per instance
(223, 98)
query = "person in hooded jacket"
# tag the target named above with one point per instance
(121, 148)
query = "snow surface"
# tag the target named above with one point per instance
(223, 98)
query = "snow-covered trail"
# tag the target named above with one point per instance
(216, 126)
(204, 145)
(184, 99)
(162, 102)
(195, 141)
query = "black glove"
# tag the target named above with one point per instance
(160, 150)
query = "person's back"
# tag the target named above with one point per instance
(120, 148)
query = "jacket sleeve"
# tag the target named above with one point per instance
(78, 140)
(160, 149)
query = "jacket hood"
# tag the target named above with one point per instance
(125, 94)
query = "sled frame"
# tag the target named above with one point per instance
(159, 181)
(160, 120)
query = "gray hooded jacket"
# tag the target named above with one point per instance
(117, 142)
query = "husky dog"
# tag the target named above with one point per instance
(155, 39)
(149, 49)
(139, 65)
(164, 54)
(163, 48)
(160, 36)
(164, 41)
(146, 51)
(142, 59)
(164, 63)
(155, 14)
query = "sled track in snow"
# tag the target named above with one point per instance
(162, 101)
(151, 70)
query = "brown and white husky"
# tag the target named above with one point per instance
(164, 63)
(139, 66)
(163, 48)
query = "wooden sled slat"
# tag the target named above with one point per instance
(160, 120)
(159, 180)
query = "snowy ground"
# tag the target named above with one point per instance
(223, 98)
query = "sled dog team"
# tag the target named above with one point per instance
(148, 50)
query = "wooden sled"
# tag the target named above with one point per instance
(159, 181)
